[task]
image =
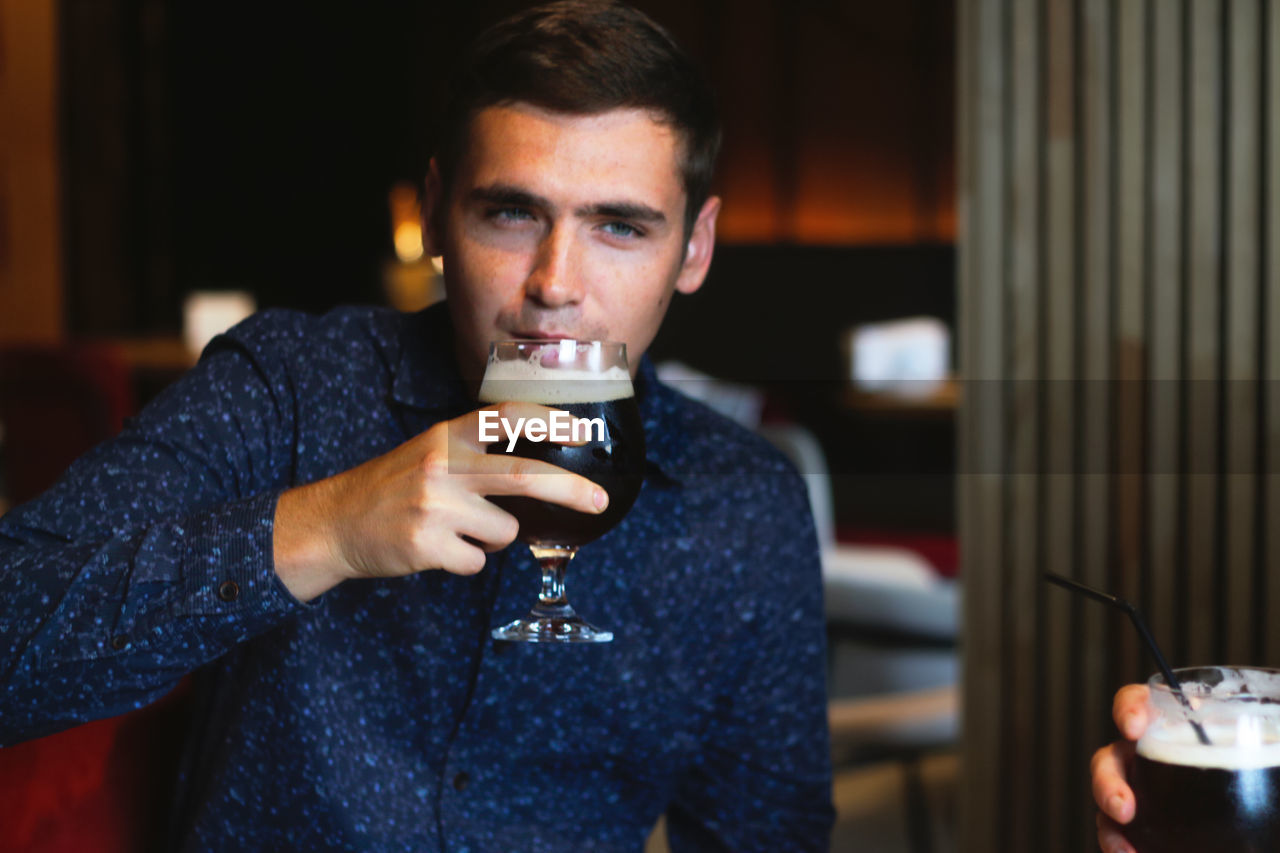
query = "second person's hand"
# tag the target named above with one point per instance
(1111, 789)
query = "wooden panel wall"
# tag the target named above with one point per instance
(30, 268)
(1119, 261)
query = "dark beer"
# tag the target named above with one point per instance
(1183, 807)
(615, 463)
(613, 456)
(1219, 792)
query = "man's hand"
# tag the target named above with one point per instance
(421, 506)
(1111, 790)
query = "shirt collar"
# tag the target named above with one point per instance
(664, 449)
(426, 373)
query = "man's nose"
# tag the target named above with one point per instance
(555, 279)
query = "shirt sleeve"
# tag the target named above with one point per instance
(151, 556)
(762, 780)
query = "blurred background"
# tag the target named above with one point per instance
(1007, 268)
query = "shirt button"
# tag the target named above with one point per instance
(229, 591)
(461, 781)
(119, 641)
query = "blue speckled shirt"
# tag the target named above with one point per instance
(381, 716)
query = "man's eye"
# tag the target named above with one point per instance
(509, 214)
(622, 229)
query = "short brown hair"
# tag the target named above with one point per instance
(585, 57)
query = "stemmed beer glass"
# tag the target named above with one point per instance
(590, 381)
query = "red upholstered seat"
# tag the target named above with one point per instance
(56, 403)
(104, 786)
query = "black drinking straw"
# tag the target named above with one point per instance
(1135, 616)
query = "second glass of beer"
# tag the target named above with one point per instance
(1224, 795)
(590, 381)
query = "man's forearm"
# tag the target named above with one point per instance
(305, 557)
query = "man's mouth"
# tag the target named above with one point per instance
(539, 335)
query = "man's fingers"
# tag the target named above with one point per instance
(491, 528)
(513, 475)
(544, 482)
(457, 556)
(1130, 710)
(1111, 790)
(1109, 837)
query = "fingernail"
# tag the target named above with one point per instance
(600, 499)
(1131, 726)
(1114, 805)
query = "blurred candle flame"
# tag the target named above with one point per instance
(406, 223)
(411, 280)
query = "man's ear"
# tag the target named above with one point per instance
(702, 244)
(433, 202)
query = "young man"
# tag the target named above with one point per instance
(304, 522)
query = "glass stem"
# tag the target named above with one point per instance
(553, 560)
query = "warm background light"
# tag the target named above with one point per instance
(31, 303)
(408, 241)
(406, 222)
(411, 282)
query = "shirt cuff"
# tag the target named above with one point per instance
(228, 564)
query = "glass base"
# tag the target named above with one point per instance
(558, 628)
(552, 620)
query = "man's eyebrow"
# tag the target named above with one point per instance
(633, 211)
(505, 194)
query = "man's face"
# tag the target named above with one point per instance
(565, 226)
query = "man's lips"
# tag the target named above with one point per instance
(530, 335)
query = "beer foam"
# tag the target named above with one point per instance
(530, 382)
(1184, 749)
